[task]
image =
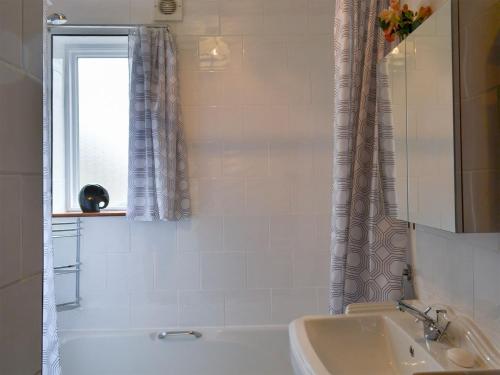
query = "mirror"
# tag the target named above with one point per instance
(430, 126)
(416, 81)
(391, 77)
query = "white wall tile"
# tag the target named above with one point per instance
(245, 159)
(93, 11)
(187, 49)
(140, 271)
(320, 20)
(284, 16)
(311, 269)
(241, 17)
(201, 308)
(21, 319)
(200, 17)
(205, 159)
(293, 232)
(264, 195)
(32, 227)
(93, 271)
(323, 300)
(200, 234)
(32, 37)
(11, 31)
(487, 292)
(10, 229)
(116, 267)
(248, 307)
(218, 196)
(141, 11)
(246, 233)
(105, 235)
(153, 309)
(156, 236)
(290, 304)
(269, 270)
(223, 271)
(177, 271)
(20, 145)
(323, 231)
(99, 310)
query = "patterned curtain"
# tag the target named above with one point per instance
(50, 346)
(158, 181)
(368, 248)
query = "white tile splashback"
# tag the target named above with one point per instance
(460, 270)
(150, 281)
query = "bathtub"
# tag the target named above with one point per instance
(220, 351)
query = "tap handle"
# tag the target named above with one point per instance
(439, 314)
(427, 310)
(442, 328)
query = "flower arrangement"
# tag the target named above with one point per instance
(400, 20)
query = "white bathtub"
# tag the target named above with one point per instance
(220, 351)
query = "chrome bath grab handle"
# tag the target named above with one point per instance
(165, 334)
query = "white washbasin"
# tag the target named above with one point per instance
(368, 342)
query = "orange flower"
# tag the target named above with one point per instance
(395, 5)
(389, 37)
(424, 12)
(385, 15)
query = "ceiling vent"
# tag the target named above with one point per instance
(168, 10)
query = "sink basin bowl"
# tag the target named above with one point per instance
(379, 341)
(363, 344)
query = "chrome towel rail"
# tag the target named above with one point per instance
(166, 334)
(69, 229)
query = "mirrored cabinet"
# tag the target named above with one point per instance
(442, 84)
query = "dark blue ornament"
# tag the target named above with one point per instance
(93, 198)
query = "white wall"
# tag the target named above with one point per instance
(258, 124)
(21, 220)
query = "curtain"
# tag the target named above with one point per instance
(157, 178)
(368, 247)
(50, 342)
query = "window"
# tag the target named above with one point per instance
(90, 79)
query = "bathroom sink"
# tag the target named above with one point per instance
(369, 340)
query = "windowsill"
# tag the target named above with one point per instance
(88, 214)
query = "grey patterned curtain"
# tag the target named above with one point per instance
(50, 342)
(368, 248)
(158, 181)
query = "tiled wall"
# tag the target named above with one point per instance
(258, 121)
(461, 270)
(21, 246)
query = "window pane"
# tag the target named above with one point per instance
(103, 125)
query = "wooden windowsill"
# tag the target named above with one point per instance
(88, 214)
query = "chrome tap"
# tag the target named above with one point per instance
(434, 329)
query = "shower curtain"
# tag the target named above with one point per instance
(158, 180)
(368, 247)
(50, 342)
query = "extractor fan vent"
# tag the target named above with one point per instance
(168, 10)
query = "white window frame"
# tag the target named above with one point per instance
(72, 53)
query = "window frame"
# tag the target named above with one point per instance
(72, 53)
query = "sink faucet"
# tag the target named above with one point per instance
(433, 328)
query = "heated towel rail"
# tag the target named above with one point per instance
(69, 229)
